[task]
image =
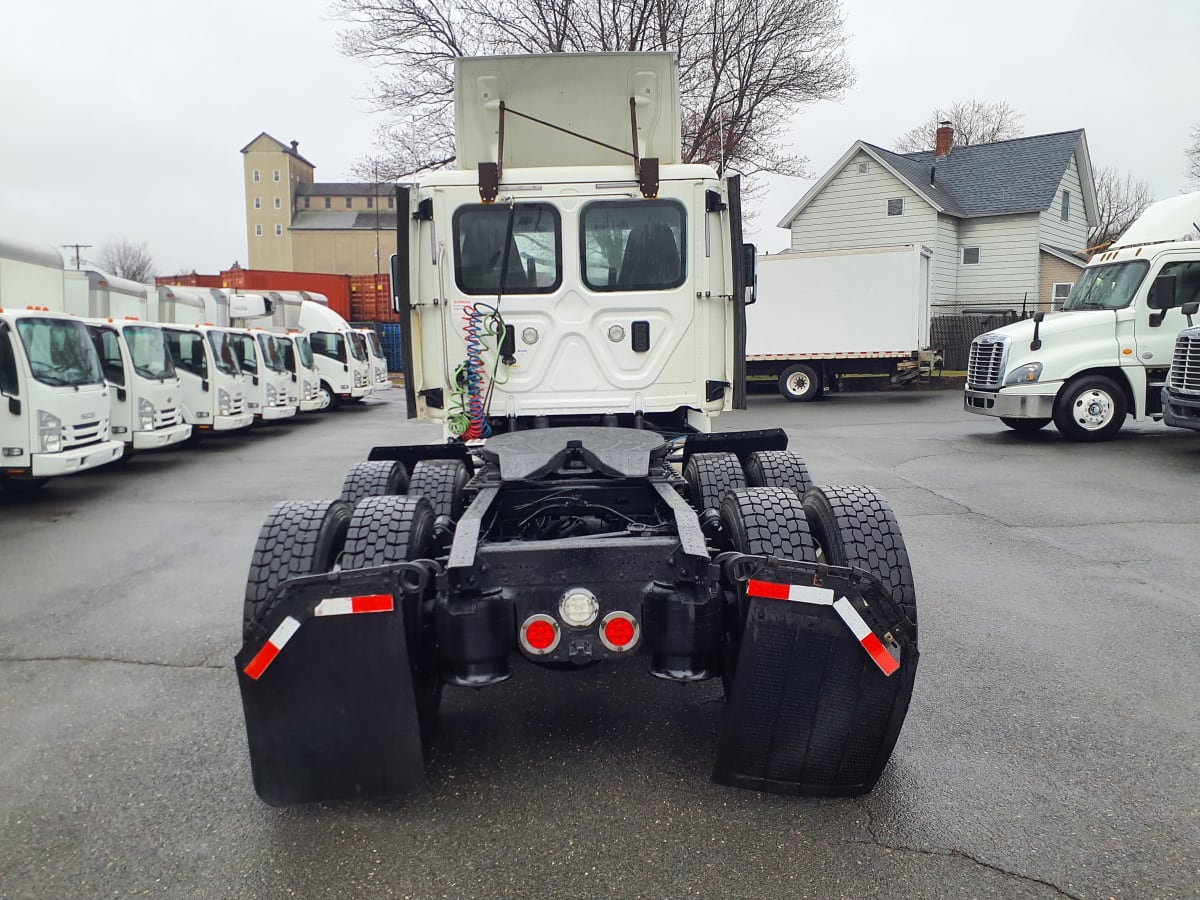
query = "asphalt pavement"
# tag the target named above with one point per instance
(1052, 748)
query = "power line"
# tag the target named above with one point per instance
(76, 248)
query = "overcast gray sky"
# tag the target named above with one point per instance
(124, 118)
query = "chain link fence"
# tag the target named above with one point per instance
(954, 324)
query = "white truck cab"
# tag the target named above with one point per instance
(379, 363)
(297, 357)
(1106, 354)
(268, 395)
(339, 353)
(145, 390)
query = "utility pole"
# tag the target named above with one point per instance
(76, 248)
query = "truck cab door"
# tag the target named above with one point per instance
(743, 289)
(1155, 330)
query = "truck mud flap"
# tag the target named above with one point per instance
(822, 685)
(328, 694)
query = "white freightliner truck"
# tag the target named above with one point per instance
(214, 389)
(339, 353)
(573, 304)
(1181, 395)
(821, 314)
(145, 390)
(55, 414)
(1105, 355)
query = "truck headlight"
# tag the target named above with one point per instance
(50, 431)
(1026, 374)
(272, 394)
(224, 404)
(146, 413)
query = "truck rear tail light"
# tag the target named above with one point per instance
(619, 631)
(540, 634)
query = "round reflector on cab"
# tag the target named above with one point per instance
(619, 631)
(539, 635)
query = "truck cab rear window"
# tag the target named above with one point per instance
(534, 254)
(632, 245)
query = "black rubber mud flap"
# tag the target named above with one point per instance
(811, 713)
(331, 715)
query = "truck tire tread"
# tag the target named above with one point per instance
(387, 529)
(709, 476)
(778, 468)
(374, 478)
(441, 482)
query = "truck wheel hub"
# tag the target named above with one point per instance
(1093, 409)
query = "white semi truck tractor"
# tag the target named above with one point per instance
(573, 303)
(145, 390)
(214, 388)
(54, 402)
(1104, 356)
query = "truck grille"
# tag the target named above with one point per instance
(236, 406)
(1185, 365)
(75, 436)
(985, 365)
(166, 418)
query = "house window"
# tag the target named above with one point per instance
(278, 203)
(276, 174)
(864, 168)
(257, 176)
(370, 203)
(306, 200)
(896, 207)
(257, 203)
(1060, 290)
(1066, 206)
(258, 231)
(328, 202)
(349, 203)
(278, 230)
(391, 202)
(970, 256)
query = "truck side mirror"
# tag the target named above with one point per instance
(1162, 293)
(14, 406)
(750, 273)
(1189, 310)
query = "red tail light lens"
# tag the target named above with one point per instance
(540, 635)
(619, 631)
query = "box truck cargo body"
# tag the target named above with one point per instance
(55, 414)
(825, 313)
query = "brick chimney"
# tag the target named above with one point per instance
(296, 144)
(945, 139)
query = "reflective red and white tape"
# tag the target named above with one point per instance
(880, 654)
(330, 606)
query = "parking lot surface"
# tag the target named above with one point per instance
(1051, 749)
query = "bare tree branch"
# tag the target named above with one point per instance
(127, 260)
(1192, 153)
(746, 66)
(974, 121)
(1120, 201)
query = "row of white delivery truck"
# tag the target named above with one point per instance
(94, 368)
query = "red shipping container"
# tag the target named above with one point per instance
(335, 287)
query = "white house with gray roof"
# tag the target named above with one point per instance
(1006, 222)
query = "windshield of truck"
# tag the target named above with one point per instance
(358, 346)
(1107, 287)
(243, 350)
(373, 344)
(223, 355)
(108, 348)
(632, 245)
(328, 343)
(534, 254)
(304, 349)
(148, 351)
(60, 351)
(187, 351)
(270, 353)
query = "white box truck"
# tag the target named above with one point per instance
(825, 313)
(340, 355)
(379, 363)
(55, 414)
(145, 390)
(1105, 356)
(214, 389)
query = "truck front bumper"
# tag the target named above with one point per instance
(1013, 402)
(271, 413)
(232, 423)
(161, 437)
(46, 465)
(1181, 410)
